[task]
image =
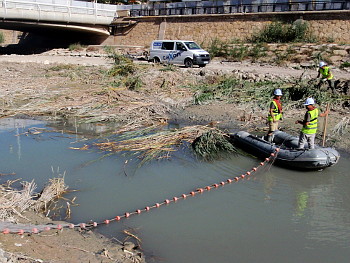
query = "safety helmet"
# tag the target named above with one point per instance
(277, 92)
(309, 101)
(322, 64)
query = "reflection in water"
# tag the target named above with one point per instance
(301, 203)
(277, 215)
(18, 144)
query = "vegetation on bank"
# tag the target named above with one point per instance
(2, 38)
(108, 95)
(76, 47)
(257, 48)
(15, 202)
(281, 32)
(124, 70)
(207, 142)
(235, 90)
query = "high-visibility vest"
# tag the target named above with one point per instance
(325, 73)
(311, 128)
(275, 112)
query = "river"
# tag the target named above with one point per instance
(274, 215)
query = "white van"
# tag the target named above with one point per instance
(180, 52)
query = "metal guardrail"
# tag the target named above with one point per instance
(146, 10)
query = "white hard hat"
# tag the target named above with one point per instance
(309, 101)
(322, 64)
(277, 92)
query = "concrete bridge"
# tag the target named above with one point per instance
(72, 20)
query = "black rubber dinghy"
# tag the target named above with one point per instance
(288, 155)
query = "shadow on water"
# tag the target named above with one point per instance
(275, 215)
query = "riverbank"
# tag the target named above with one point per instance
(71, 88)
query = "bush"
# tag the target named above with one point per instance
(279, 32)
(76, 47)
(345, 64)
(217, 48)
(123, 66)
(237, 53)
(134, 83)
(257, 51)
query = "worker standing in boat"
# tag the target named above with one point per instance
(308, 132)
(275, 114)
(326, 75)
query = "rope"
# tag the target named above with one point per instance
(7, 228)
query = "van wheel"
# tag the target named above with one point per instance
(188, 63)
(156, 60)
(202, 66)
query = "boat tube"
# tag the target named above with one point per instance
(289, 155)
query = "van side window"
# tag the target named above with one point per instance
(168, 45)
(180, 46)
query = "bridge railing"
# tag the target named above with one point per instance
(60, 11)
(66, 7)
(312, 5)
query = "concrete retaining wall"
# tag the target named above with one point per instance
(10, 37)
(328, 26)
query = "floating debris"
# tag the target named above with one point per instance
(207, 142)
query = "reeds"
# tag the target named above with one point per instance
(211, 144)
(341, 127)
(14, 202)
(54, 189)
(158, 145)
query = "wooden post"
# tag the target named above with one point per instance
(325, 126)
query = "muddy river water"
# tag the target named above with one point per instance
(275, 215)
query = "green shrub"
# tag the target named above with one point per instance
(303, 89)
(283, 56)
(345, 64)
(257, 51)
(133, 83)
(237, 53)
(123, 66)
(279, 32)
(124, 69)
(217, 48)
(76, 47)
(2, 38)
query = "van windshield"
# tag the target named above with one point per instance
(192, 45)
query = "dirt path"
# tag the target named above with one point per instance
(216, 64)
(50, 59)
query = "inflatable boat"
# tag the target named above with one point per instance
(289, 155)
